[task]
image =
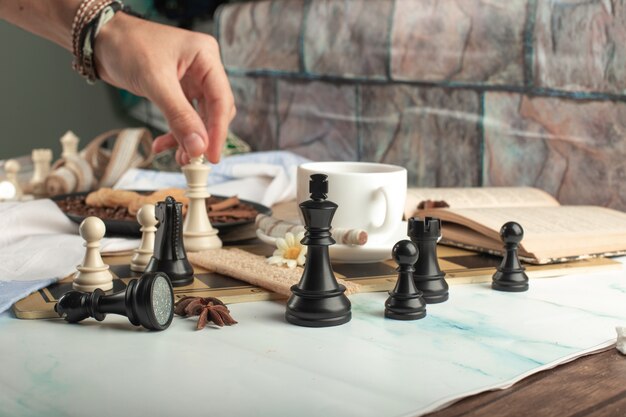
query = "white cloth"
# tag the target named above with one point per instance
(39, 245)
(263, 177)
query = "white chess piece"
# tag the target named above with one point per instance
(93, 272)
(148, 222)
(11, 168)
(41, 161)
(7, 191)
(198, 234)
(69, 142)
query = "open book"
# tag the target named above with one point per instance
(552, 233)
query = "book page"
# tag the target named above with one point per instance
(470, 197)
(563, 221)
(549, 232)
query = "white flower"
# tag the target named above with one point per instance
(290, 251)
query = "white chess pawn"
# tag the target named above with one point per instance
(198, 234)
(11, 168)
(7, 191)
(148, 222)
(93, 272)
(41, 161)
(69, 142)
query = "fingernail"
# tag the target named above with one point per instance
(194, 145)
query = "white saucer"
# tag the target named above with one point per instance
(369, 253)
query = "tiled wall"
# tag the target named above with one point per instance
(461, 92)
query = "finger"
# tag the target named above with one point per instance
(178, 157)
(218, 131)
(185, 123)
(164, 142)
(218, 108)
(181, 157)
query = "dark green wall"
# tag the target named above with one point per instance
(41, 97)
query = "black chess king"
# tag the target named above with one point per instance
(318, 300)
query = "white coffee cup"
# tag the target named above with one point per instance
(370, 196)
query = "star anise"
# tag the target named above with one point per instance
(208, 308)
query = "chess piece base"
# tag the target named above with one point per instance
(516, 281)
(89, 279)
(318, 308)
(402, 307)
(179, 272)
(335, 321)
(197, 242)
(401, 315)
(140, 260)
(434, 289)
(92, 288)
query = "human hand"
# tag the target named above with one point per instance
(172, 68)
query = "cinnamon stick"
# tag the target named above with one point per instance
(243, 213)
(225, 204)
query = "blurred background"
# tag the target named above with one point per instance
(460, 92)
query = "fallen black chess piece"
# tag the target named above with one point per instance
(147, 302)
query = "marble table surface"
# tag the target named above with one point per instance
(479, 340)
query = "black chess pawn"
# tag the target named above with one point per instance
(405, 302)
(318, 300)
(428, 277)
(148, 301)
(510, 275)
(169, 252)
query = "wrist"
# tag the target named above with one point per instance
(92, 17)
(110, 40)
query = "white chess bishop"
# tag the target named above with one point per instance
(93, 272)
(148, 221)
(198, 234)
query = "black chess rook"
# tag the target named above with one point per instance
(318, 300)
(169, 252)
(428, 277)
(510, 275)
(405, 301)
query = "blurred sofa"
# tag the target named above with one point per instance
(460, 92)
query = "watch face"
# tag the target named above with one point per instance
(162, 300)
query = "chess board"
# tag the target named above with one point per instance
(461, 267)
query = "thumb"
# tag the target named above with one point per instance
(185, 123)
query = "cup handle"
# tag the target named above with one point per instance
(388, 223)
